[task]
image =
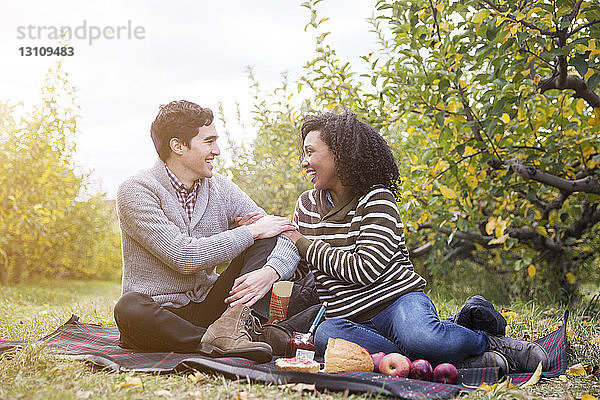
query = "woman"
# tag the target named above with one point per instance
(350, 235)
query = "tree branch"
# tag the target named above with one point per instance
(539, 242)
(589, 217)
(572, 82)
(589, 184)
(584, 26)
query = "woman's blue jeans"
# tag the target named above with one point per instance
(410, 326)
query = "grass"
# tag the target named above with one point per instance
(30, 311)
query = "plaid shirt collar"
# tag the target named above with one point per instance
(186, 197)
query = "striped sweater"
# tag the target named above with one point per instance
(356, 251)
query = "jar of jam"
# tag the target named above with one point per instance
(300, 345)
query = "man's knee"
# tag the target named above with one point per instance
(129, 306)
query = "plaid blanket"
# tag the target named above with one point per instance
(99, 345)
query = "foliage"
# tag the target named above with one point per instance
(46, 229)
(490, 108)
(502, 103)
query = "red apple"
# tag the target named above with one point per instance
(445, 373)
(421, 369)
(377, 359)
(395, 364)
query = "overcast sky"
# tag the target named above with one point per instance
(194, 50)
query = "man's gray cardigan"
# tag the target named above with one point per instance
(173, 259)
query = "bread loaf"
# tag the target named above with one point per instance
(344, 356)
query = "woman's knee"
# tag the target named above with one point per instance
(330, 328)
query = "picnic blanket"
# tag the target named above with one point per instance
(99, 345)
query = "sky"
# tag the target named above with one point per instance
(193, 50)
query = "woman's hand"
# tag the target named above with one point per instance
(293, 235)
(251, 287)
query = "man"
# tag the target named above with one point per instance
(179, 221)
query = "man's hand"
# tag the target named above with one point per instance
(251, 287)
(269, 226)
(248, 219)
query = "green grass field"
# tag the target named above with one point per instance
(30, 311)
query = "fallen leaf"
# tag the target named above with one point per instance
(576, 370)
(300, 387)
(132, 381)
(162, 392)
(563, 378)
(588, 397)
(535, 378)
(241, 396)
(197, 395)
(81, 394)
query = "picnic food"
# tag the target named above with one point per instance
(445, 373)
(395, 364)
(376, 359)
(302, 364)
(344, 356)
(300, 344)
(421, 369)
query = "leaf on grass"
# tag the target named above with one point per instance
(243, 396)
(535, 378)
(588, 397)
(531, 271)
(300, 387)
(84, 394)
(196, 395)
(197, 377)
(576, 370)
(162, 392)
(570, 277)
(563, 378)
(132, 381)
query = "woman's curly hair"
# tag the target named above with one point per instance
(362, 157)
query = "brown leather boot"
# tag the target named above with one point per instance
(229, 336)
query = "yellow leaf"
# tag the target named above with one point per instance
(471, 181)
(505, 118)
(563, 378)
(531, 271)
(509, 315)
(447, 192)
(588, 397)
(576, 370)
(501, 227)
(480, 16)
(514, 29)
(541, 230)
(440, 7)
(499, 240)
(570, 277)
(579, 106)
(131, 381)
(490, 226)
(535, 378)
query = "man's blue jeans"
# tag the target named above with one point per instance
(409, 326)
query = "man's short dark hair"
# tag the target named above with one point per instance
(178, 119)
